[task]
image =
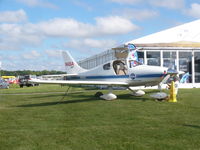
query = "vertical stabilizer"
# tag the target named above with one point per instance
(71, 65)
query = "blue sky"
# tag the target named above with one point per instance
(33, 32)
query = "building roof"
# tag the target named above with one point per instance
(186, 35)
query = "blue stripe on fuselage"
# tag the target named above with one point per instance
(149, 75)
(107, 77)
(115, 76)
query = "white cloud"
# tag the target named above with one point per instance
(29, 34)
(99, 43)
(31, 55)
(16, 36)
(9, 65)
(87, 44)
(41, 64)
(172, 4)
(137, 14)
(60, 27)
(13, 16)
(194, 11)
(113, 25)
(38, 3)
(54, 53)
(32, 64)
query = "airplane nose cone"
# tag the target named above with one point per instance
(161, 72)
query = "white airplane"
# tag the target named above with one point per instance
(126, 73)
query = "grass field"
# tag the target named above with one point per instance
(79, 121)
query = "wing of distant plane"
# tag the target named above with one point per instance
(78, 82)
(58, 75)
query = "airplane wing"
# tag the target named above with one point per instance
(77, 82)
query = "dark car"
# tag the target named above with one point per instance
(24, 81)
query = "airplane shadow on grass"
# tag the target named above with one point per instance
(131, 97)
(56, 95)
(78, 98)
(191, 126)
(58, 102)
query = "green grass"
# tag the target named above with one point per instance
(37, 89)
(82, 122)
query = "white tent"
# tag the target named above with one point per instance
(186, 33)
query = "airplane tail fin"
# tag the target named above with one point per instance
(71, 65)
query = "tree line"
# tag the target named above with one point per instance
(29, 72)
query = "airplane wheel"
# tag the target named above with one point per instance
(98, 94)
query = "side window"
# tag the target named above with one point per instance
(106, 66)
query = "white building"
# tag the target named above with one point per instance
(177, 48)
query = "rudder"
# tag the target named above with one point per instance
(71, 65)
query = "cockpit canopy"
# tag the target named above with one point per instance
(120, 67)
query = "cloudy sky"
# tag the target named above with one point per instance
(33, 32)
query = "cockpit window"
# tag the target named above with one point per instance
(120, 67)
(106, 66)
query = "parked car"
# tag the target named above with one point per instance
(24, 81)
(3, 84)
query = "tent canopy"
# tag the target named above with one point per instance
(186, 35)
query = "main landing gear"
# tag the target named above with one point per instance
(109, 96)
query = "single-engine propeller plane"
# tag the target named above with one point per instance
(127, 73)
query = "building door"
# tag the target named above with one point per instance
(185, 64)
(169, 60)
(197, 66)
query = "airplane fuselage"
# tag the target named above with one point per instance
(139, 75)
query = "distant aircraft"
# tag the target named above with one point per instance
(126, 73)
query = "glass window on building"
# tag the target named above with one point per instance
(197, 66)
(169, 60)
(141, 57)
(185, 64)
(153, 58)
